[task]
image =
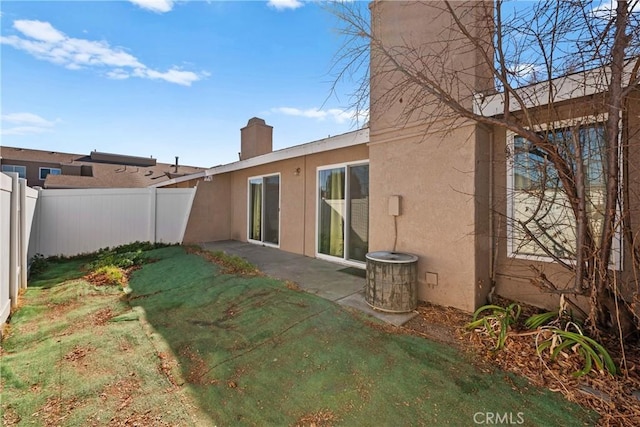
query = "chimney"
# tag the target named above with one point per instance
(176, 165)
(256, 139)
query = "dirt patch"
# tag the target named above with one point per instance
(10, 417)
(123, 391)
(102, 316)
(167, 365)
(230, 264)
(134, 420)
(198, 370)
(292, 285)
(61, 310)
(442, 324)
(323, 418)
(612, 397)
(78, 353)
(56, 410)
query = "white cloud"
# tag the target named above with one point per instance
(335, 114)
(158, 6)
(39, 30)
(45, 42)
(25, 124)
(285, 4)
(174, 75)
(607, 8)
(526, 73)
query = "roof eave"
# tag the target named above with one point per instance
(344, 140)
(571, 86)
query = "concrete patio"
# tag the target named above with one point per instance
(335, 282)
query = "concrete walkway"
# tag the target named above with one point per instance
(331, 281)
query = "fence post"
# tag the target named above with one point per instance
(14, 240)
(153, 205)
(24, 244)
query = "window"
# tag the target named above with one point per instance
(21, 170)
(539, 211)
(343, 212)
(46, 171)
(264, 210)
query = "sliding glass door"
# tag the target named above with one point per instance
(343, 212)
(264, 209)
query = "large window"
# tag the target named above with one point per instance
(264, 209)
(49, 171)
(343, 212)
(540, 215)
(20, 170)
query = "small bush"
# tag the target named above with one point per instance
(38, 264)
(108, 275)
(123, 256)
(498, 323)
(563, 341)
(112, 258)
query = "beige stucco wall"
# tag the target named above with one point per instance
(210, 216)
(437, 162)
(220, 207)
(632, 134)
(441, 220)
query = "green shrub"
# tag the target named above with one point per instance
(558, 341)
(109, 275)
(123, 256)
(552, 331)
(497, 323)
(38, 264)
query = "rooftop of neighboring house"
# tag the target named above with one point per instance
(52, 169)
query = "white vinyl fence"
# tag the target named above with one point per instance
(72, 222)
(17, 206)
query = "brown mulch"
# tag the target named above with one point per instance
(102, 279)
(226, 262)
(317, 419)
(616, 399)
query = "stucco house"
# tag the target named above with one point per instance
(441, 191)
(53, 169)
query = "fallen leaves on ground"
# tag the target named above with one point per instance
(611, 397)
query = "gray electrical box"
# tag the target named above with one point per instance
(394, 205)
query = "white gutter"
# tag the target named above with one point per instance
(327, 144)
(563, 88)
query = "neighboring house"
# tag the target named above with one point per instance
(51, 169)
(445, 192)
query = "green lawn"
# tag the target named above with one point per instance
(193, 346)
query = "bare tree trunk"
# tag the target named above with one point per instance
(602, 286)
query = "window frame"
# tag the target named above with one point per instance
(50, 169)
(340, 260)
(616, 252)
(262, 177)
(23, 167)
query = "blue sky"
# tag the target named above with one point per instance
(167, 78)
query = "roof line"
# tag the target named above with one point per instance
(344, 140)
(563, 88)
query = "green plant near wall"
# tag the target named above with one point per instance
(560, 341)
(497, 323)
(112, 275)
(38, 264)
(111, 257)
(556, 332)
